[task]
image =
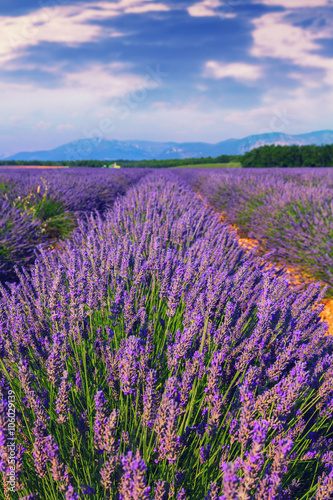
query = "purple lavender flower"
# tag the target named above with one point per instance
(109, 432)
(186, 384)
(212, 493)
(215, 414)
(108, 470)
(161, 490)
(54, 364)
(100, 420)
(270, 485)
(169, 445)
(181, 495)
(214, 373)
(58, 470)
(150, 400)
(176, 288)
(111, 365)
(88, 490)
(204, 453)
(254, 459)
(62, 404)
(246, 420)
(133, 484)
(70, 494)
(128, 362)
(325, 487)
(231, 480)
(40, 450)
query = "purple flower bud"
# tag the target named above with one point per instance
(212, 493)
(128, 362)
(62, 405)
(133, 484)
(108, 470)
(204, 453)
(231, 480)
(70, 494)
(40, 449)
(181, 495)
(161, 490)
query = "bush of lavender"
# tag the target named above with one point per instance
(19, 235)
(42, 208)
(291, 213)
(80, 190)
(154, 358)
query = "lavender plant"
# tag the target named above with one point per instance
(154, 358)
(290, 213)
(42, 208)
(19, 235)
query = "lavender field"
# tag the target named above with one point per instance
(151, 356)
(289, 211)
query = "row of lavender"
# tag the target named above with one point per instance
(42, 207)
(291, 213)
(154, 358)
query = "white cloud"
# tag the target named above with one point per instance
(159, 104)
(310, 82)
(201, 88)
(292, 4)
(101, 82)
(43, 125)
(238, 71)
(65, 126)
(206, 8)
(140, 9)
(16, 118)
(291, 112)
(274, 37)
(68, 24)
(76, 101)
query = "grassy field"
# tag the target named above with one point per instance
(213, 165)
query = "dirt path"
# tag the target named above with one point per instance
(296, 276)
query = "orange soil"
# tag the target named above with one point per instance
(296, 276)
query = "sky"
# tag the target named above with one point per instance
(173, 70)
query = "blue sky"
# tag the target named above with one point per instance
(168, 70)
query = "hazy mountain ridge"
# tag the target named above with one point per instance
(94, 149)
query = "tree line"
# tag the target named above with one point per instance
(288, 156)
(262, 157)
(127, 163)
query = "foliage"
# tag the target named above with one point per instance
(130, 163)
(288, 156)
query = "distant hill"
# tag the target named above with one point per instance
(92, 149)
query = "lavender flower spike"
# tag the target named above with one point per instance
(230, 480)
(62, 407)
(133, 482)
(161, 490)
(70, 494)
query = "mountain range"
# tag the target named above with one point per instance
(102, 149)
